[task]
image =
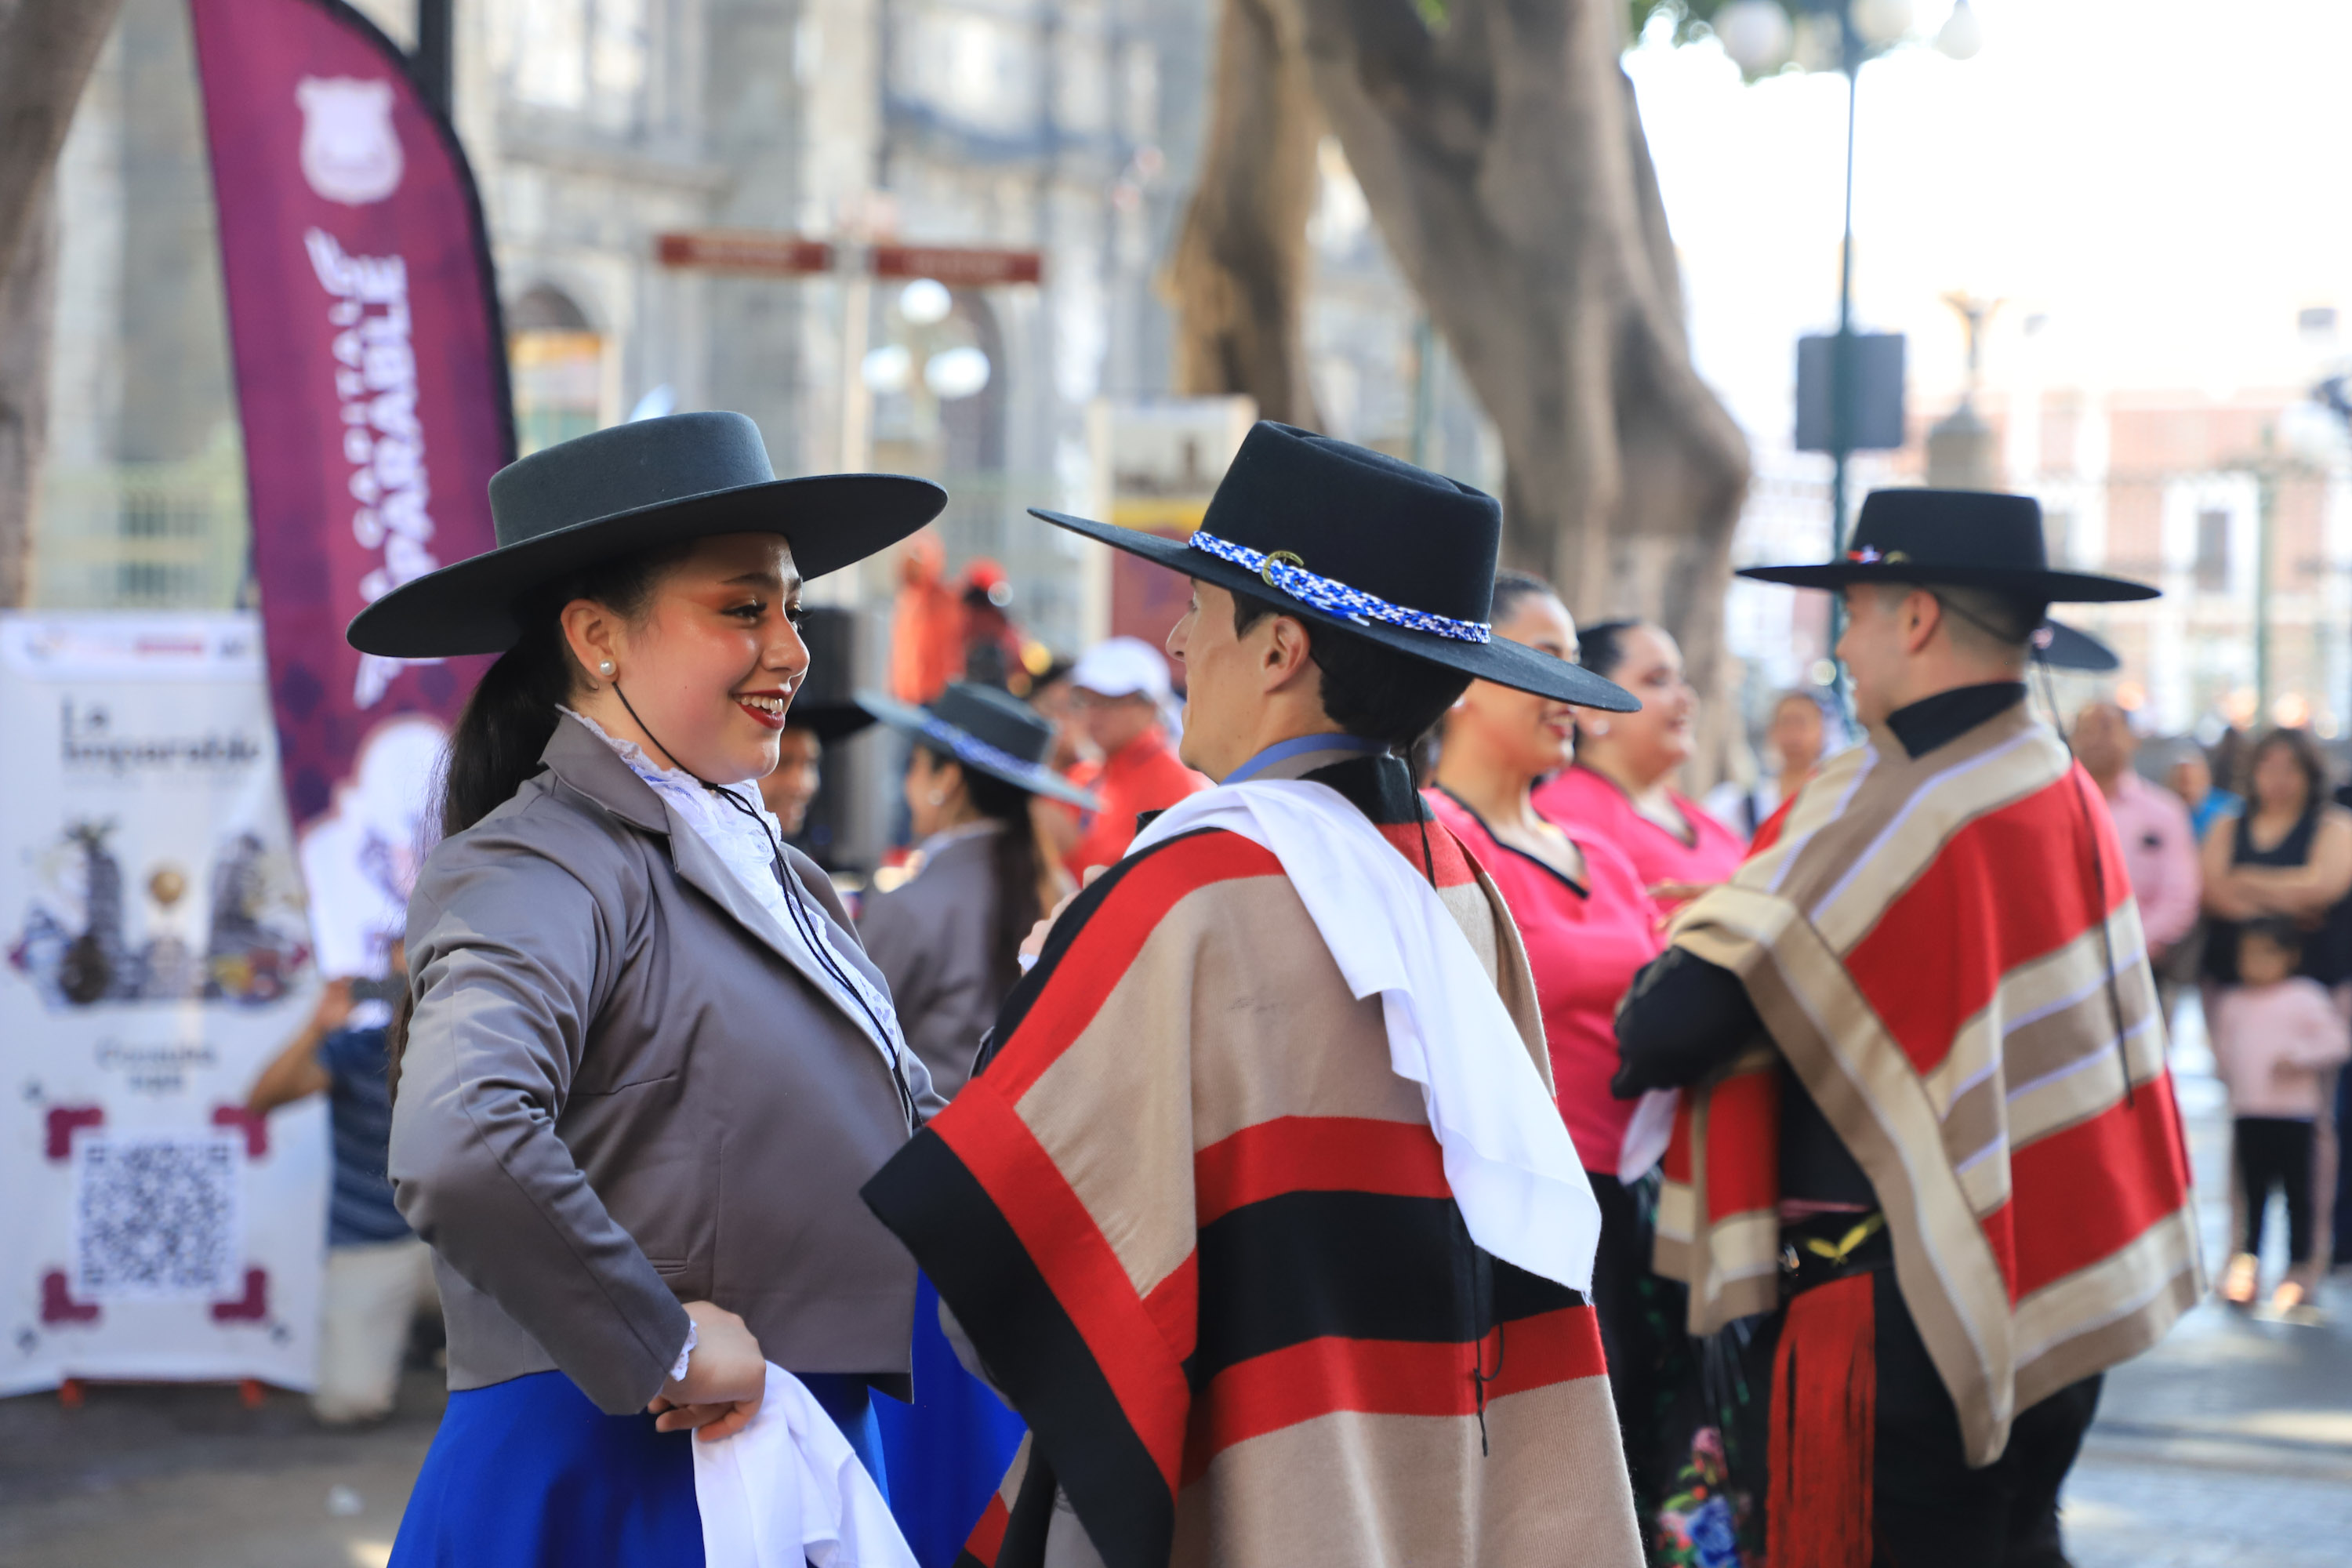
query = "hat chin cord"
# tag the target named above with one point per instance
(804, 923)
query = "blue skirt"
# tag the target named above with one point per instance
(528, 1472)
(949, 1450)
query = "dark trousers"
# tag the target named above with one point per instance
(2274, 1152)
(1930, 1510)
(1628, 1336)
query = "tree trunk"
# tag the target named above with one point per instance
(29, 297)
(1502, 155)
(47, 50)
(1239, 277)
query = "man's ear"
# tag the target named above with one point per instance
(1285, 654)
(1923, 614)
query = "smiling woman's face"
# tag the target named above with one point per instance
(1531, 734)
(710, 667)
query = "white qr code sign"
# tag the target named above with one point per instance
(157, 1218)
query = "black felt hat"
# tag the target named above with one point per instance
(1338, 533)
(635, 486)
(831, 721)
(2061, 646)
(986, 729)
(1958, 539)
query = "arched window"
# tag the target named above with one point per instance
(558, 361)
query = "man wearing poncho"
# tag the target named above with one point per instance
(1259, 1212)
(1929, 1124)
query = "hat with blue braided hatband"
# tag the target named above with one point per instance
(1349, 537)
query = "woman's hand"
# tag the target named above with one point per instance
(1034, 942)
(726, 1377)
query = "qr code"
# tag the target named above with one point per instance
(156, 1217)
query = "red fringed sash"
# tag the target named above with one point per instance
(1824, 1424)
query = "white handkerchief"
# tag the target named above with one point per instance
(788, 1490)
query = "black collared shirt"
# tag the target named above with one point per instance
(1685, 1017)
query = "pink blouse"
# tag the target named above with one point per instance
(1584, 945)
(1578, 796)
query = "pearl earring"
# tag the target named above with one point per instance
(938, 797)
(605, 669)
(1599, 726)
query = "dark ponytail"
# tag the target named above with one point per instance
(507, 719)
(1016, 862)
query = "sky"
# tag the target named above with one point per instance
(2161, 183)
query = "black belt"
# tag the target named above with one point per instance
(1833, 1246)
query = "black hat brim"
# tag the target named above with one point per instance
(1502, 661)
(2067, 649)
(1036, 777)
(830, 722)
(2041, 587)
(470, 607)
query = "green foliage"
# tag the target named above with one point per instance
(1690, 16)
(1432, 13)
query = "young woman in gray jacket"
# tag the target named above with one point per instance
(647, 1066)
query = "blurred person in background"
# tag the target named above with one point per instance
(926, 624)
(2190, 777)
(809, 728)
(1588, 926)
(992, 645)
(1120, 692)
(948, 936)
(1801, 731)
(2287, 853)
(2152, 825)
(1621, 782)
(949, 941)
(379, 1275)
(2277, 1038)
(1053, 699)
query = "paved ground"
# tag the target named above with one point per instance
(2230, 1443)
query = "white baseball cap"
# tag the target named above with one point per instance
(1123, 667)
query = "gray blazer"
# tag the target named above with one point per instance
(620, 1093)
(930, 936)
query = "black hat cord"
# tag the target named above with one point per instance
(804, 923)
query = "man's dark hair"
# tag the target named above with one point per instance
(1368, 691)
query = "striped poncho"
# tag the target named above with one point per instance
(1201, 1235)
(1922, 939)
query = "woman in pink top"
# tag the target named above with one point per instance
(1618, 784)
(1588, 923)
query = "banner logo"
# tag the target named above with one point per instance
(351, 153)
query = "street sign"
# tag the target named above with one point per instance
(746, 250)
(776, 254)
(959, 266)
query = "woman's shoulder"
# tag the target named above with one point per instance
(541, 842)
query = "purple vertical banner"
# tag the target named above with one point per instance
(371, 383)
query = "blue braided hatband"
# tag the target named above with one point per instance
(1282, 570)
(972, 749)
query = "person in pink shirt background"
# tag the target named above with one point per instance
(1621, 781)
(2274, 1036)
(1585, 916)
(2152, 823)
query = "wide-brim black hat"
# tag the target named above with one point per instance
(2061, 646)
(831, 721)
(635, 487)
(1957, 539)
(983, 727)
(1341, 534)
